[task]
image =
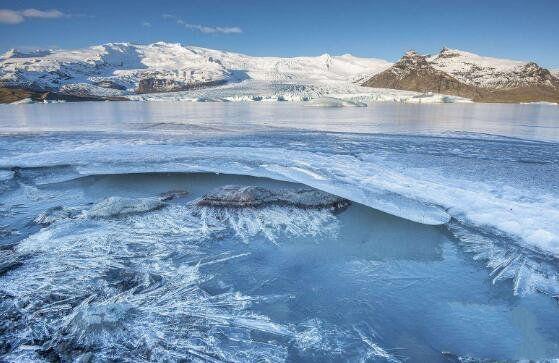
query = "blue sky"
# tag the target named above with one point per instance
(517, 29)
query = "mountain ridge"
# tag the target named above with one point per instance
(464, 74)
(120, 70)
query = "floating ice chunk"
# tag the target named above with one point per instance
(333, 102)
(210, 99)
(118, 206)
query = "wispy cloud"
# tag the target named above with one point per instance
(8, 16)
(146, 24)
(204, 28)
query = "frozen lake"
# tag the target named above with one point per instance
(448, 250)
(533, 122)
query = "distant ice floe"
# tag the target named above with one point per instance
(543, 103)
(333, 102)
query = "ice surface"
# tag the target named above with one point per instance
(131, 286)
(424, 179)
(269, 282)
(6, 175)
(273, 282)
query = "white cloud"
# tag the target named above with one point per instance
(213, 30)
(43, 14)
(146, 24)
(8, 16)
(204, 28)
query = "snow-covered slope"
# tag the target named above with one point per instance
(174, 71)
(487, 72)
(464, 74)
(123, 68)
(116, 67)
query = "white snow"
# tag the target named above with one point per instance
(247, 78)
(480, 71)
(126, 64)
(90, 71)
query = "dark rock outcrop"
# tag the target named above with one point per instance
(9, 95)
(252, 196)
(110, 84)
(413, 73)
(159, 85)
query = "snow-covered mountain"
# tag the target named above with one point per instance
(490, 72)
(118, 69)
(173, 71)
(469, 75)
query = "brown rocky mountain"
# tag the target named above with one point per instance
(464, 74)
(9, 95)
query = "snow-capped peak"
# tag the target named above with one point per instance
(488, 72)
(126, 64)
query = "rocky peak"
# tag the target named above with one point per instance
(532, 73)
(468, 75)
(409, 63)
(534, 70)
(448, 53)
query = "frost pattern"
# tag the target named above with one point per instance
(131, 287)
(530, 271)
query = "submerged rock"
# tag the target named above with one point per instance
(118, 206)
(253, 196)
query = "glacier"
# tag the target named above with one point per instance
(438, 233)
(171, 71)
